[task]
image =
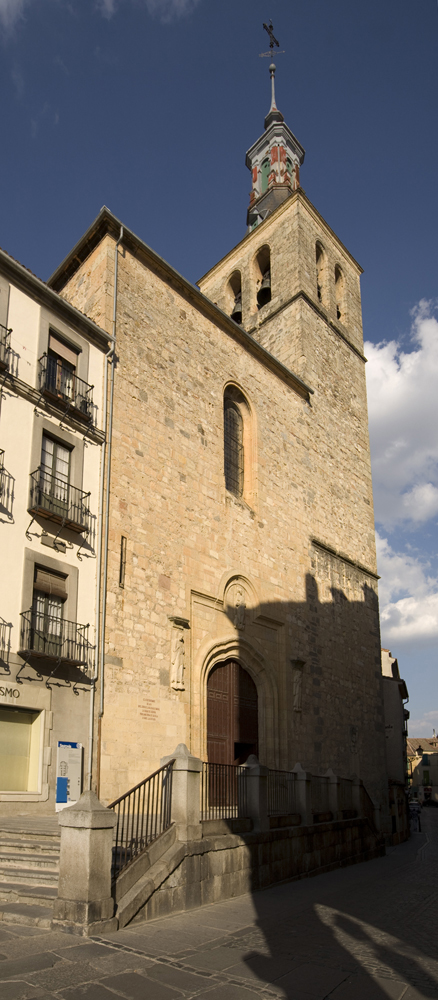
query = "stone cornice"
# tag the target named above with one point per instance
(316, 308)
(343, 557)
(50, 299)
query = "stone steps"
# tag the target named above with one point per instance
(29, 873)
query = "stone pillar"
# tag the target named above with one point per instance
(303, 795)
(186, 793)
(84, 904)
(333, 792)
(256, 783)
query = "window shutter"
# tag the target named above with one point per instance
(50, 583)
(64, 352)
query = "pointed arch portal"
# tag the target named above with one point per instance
(232, 714)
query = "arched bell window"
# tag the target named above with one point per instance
(233, 447)
(263, 276)
(234, 295)
(339, 293)
(320, 271)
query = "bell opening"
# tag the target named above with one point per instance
(264, 292)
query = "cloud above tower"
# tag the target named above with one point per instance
(165, 10)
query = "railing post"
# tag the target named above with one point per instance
(186, 793)
(84, 904)
(333, 792)
(256, 777)
(356, 794)
(303, 795)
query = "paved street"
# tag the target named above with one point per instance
(363, 933)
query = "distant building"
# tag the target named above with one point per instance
(395, 694)
(423, 767)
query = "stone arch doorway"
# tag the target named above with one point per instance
(232, 714)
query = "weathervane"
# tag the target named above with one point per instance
(272, 41)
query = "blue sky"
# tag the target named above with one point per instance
(148, 106)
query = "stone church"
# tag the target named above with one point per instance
(238, 607)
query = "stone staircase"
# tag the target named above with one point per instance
(29, 870)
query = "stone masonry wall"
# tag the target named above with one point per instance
(191, 544)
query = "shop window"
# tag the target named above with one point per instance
(20, 741)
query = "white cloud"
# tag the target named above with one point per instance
(10, 12)
(424, 725)
(165, 10)
(408, 598)
(403, 413)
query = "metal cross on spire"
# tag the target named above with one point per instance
(272, 42)
(272, 39)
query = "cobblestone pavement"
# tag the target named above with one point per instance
(362, 933)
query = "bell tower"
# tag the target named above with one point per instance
(274, 159)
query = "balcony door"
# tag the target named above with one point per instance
(232, 714)
(54, 476)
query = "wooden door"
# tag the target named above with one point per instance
(232, 716)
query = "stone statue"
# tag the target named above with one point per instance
(297, 684)
(178, 653)
(240, 606)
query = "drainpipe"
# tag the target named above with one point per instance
(102, 580)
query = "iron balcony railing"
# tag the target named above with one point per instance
(61, 384)
(54, 638)
(5, 346)
(143, 814)
(224, 791)
(5, 630)
(58, 501)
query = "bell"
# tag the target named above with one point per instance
(236, 314)
(264, 292)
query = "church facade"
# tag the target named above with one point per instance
(240, 597)
(226, 568)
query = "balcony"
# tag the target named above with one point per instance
(58, 501)
(5, 347)
(59, 383)
(52, 638)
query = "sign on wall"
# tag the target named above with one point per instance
(68, 773)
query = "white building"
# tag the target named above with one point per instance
(52, 361)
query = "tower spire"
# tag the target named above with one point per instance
(274, 115)
(275, 159)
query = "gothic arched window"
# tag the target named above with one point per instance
(233, 447)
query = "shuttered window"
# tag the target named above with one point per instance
(62, 350)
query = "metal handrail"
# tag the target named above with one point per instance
(62, 383)
(5, 345)
(143, 814)
(55, 638)
(282, 800)
(59, 501)
(224, 791)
